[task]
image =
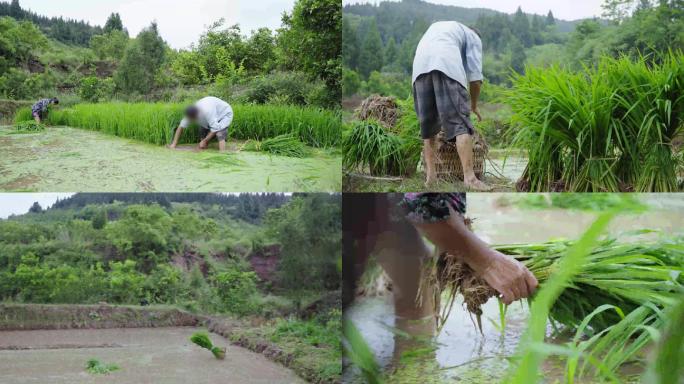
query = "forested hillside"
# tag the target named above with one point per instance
(62, 29)
(380, 40)
(297, 64)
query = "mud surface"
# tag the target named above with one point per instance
(146, 355)
(64, 159)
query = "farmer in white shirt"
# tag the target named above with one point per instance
(213, 116)
(448, 61)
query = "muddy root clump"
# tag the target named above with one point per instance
(382, 109)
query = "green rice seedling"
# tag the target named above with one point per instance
(357, 350)
(526, 370)
(23, 114)
(202, 340)
(156, 122)
(606, 129)
(668, 365)
(284, 145)
(94, 366)
(29, 126)
(370, 146)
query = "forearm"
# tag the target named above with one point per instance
(176, 136)
(209, 136)
(452, 235)
(475, 87)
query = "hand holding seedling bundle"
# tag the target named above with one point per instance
(202, 339)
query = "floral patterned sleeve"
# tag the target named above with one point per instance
(432, 207)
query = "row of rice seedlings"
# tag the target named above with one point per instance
(29, 126)
(156, 122)
(609, 128)
(283, 145)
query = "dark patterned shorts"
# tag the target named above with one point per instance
(441, 104)
(432, 207)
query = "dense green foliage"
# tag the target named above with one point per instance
(58, 28)
(101, 64)
(608, 129)
(156, 122)
(380, 40)
(190, 252)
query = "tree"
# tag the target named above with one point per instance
(111, 45)
(518, 56)
(99, 221)
(371, 55)
(350, 45)
(550, 20)
(141, 62)
(617, 10)
(521, 27)
(391, 52)
(15, 10)
(113, 23)
(36, 208)
(311, 41)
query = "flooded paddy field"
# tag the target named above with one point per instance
(144, 355)
(460, 353)
(63, 159)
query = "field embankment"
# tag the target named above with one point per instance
(155, 123)
(306, 360)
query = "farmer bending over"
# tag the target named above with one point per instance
(213, 116)
(448, 59)
(39, 110)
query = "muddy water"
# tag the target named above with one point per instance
(460, 352)
(66, 159)
(153, 355)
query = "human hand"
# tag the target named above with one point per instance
(509, 277)
(476, 111)
(203, 144)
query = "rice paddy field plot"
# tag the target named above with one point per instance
(69, 159)
(143, 355)
(608, 129)
(460, 352)
(155, 123)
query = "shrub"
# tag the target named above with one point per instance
(93, 89)
(237, 291)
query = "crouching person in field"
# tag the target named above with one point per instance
(213, 116)
(39, 110)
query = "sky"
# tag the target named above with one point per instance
(19, 203)
(562, 9)
(181, 22)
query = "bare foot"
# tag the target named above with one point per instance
(171, 146)
(477, 185)
(430, 182)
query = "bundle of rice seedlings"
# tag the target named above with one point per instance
(202, 339)
(29, 126)
(606, 129)
(625, 275)
(284, 145)
(370, 146)
(94, 366)
(383, 110)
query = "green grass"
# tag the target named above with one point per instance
(156, 122)
(606, 129)
(94, 366)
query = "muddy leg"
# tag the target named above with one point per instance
(464, 146)
(430, 154)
